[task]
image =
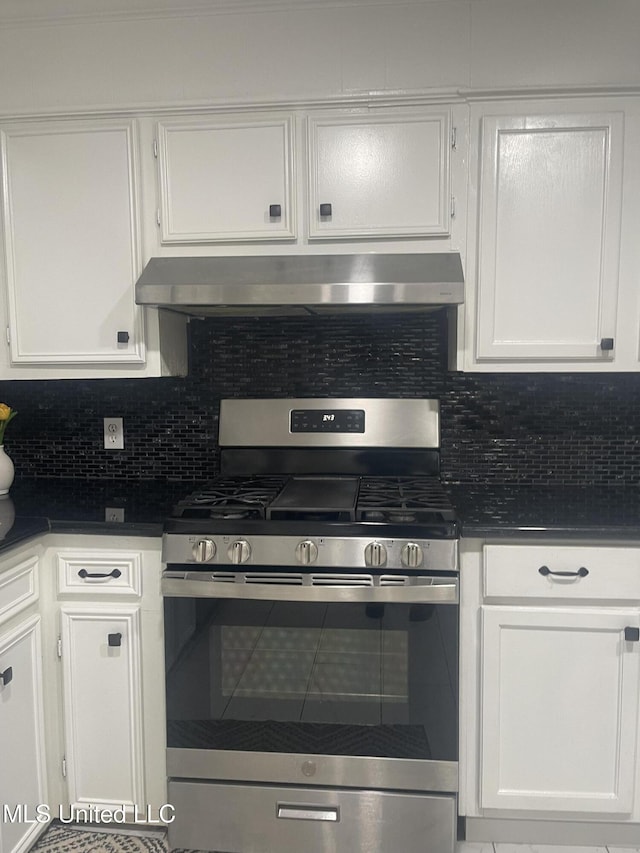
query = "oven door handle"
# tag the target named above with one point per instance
(437, 590)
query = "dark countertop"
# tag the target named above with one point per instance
(35, 506)
(584, 512)
(15, 530)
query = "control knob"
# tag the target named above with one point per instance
(306, 552)
(375, 554)
(204, 550)
(411, 555)
(239, 551)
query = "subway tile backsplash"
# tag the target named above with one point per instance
(507, 428)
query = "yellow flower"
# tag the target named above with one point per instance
(6, 414)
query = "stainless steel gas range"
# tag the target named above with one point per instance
(311, 629)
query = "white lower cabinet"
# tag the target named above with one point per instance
(22, 774)
(550, 692)
(23, 777)
(102, 699)
(560, 692)
(105, 676)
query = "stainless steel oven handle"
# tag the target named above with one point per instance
(293, 812)
(437, 590)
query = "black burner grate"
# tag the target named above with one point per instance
(403, 499)
(231, 497)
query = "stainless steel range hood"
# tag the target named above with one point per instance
(302, 284)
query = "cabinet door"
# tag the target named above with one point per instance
(386, 176)
(102, 705)
(549, 237)
(559, 709)
(71, 243)
(22, 774)
(226, 180)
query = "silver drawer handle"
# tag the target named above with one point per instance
(331, 813)
(545, 571)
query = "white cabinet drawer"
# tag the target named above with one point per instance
(561, 572)
(18, 587)
(106, 572)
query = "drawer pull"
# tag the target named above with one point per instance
(6, 676)
(292, 812)
(546, 571)
(632, 635)
(114, 640)
(83, 573)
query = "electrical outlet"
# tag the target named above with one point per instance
(114, 513)
(113, 434)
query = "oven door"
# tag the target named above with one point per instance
(342, 681)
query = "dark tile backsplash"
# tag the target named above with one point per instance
(509, 428)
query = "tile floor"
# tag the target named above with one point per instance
(502, 847)
(462, 846)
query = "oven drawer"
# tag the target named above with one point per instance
(561, 572)
(271, 819)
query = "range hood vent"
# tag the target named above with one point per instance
(302, 284)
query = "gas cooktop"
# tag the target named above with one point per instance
(403, 500)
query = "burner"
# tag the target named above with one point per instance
(373, 515)
(401, 517)
(230, 513)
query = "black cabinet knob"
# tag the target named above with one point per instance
(325, 210)
(115, 639)
(606, 344)
(6, 676)
(275, 211)
(123, 337)
(632, 635)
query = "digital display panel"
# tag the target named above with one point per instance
(327, 420)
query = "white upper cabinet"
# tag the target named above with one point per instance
(226, 179)
(72, 254)
(379, 175)
(549, 237)
(309, 176)
(72, 243)
(551, 273)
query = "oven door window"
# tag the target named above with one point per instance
(342, 679)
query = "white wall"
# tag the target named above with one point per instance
(140, 52)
